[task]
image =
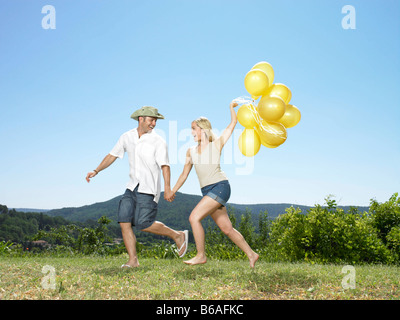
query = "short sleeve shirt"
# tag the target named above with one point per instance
(146, 155)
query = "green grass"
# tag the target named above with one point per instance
(102, 278)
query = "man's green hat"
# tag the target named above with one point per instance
(147, 111)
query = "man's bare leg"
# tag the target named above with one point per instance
(130, 243)
(161, 229)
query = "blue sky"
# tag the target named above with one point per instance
(66, 94)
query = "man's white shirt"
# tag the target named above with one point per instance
(146, 156)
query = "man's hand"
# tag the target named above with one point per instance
(169, 195)
(107, 161)
(90, 175)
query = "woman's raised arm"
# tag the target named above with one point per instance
(229, 129)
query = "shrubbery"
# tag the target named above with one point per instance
(323, 234)
(74, 239)
(328, 235)
(5, 247)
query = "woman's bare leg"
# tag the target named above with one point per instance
(205, 207)
(221, 218)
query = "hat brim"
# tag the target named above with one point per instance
(136, 116)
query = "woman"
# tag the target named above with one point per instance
(214, 186)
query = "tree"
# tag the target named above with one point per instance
(246, 228)
(3, 209)
(264, 226)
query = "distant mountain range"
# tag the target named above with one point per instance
(30, 210)
(175, 214)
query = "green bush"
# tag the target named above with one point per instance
(328, 234)
(385, 216)
(5, 247)
(246, 228)
(323, 234)
(72, 238)
(287, 235)
(393, 241)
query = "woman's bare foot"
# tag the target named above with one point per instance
(253, 259)
(196, 260)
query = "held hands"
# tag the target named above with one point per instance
(169, 195)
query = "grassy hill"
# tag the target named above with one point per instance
(175, 214)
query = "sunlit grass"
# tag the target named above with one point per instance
(102, 278)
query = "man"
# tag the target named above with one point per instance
(147, 153)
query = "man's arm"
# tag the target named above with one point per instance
(168, 194)
(107, 161)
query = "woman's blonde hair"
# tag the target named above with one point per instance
(205, 124)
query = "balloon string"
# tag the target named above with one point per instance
(256, 116)
(258, 119)
(253, 108)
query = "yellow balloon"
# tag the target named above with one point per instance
(268, 145)
(291, 117)
(290, 97)
(271, 108)
(267, 68)
(256, 82)
(249, 142)
(279, 90)
(272, 134)
(246, 117)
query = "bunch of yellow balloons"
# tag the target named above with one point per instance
(266, 122)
